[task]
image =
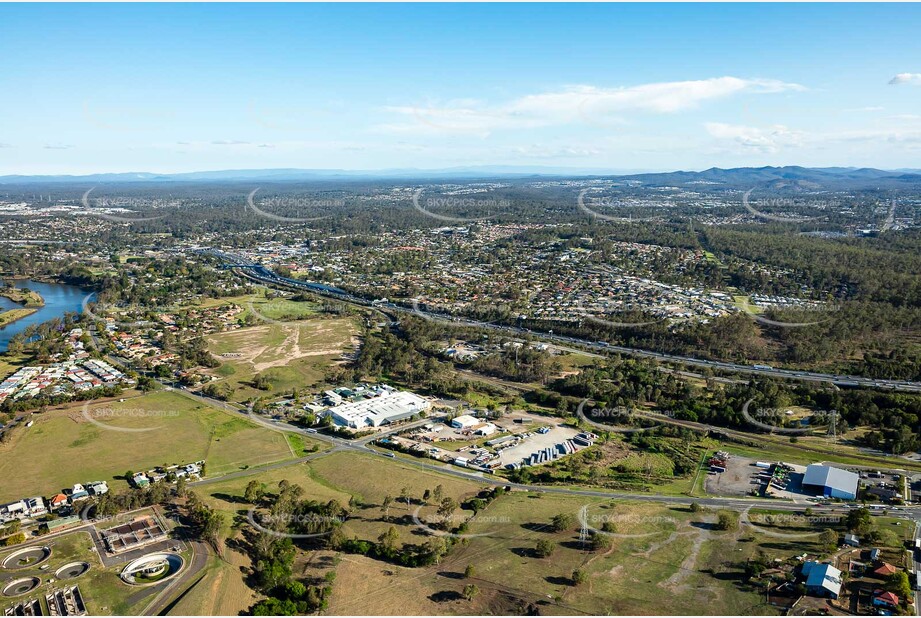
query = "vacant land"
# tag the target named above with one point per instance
(341, 477)
(661, 560)
(371, 478)
(287, 354)
(226, 496)
(261, 307)
(86, 442)
(219, 591)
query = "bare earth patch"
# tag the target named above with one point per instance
(296, 340)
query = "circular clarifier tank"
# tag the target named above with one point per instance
(19, 587)
(25, 558)
(72, 570)
(152, 568)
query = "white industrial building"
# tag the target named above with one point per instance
(389, 407)
(487, 429)
(464, 421)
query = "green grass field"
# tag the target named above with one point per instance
(813, 449)
(259, 306)
(10, 363)
(219, 591)
(8, 317)
(64, 448)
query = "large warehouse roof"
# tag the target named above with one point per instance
(380, 410)
(835, 478)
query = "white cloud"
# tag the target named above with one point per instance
(906, 78)
(895, 136)
(768, 140)
(539, 151)
(772, 139)
(577, 104)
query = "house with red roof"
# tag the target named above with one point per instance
(883, 598)
(885, 570)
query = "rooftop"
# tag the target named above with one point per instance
(826, 476)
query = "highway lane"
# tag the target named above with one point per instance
(264, 275)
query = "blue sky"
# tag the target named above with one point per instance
(170, 88)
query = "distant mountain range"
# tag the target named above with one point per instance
(788, 177)
(282, 175)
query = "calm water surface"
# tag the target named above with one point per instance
(59, 299)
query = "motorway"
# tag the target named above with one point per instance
(264, 275)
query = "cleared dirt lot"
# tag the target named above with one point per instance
(275, 345)
(737, 480)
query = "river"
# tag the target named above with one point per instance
(59, 299)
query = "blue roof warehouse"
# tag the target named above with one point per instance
(831, 482)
